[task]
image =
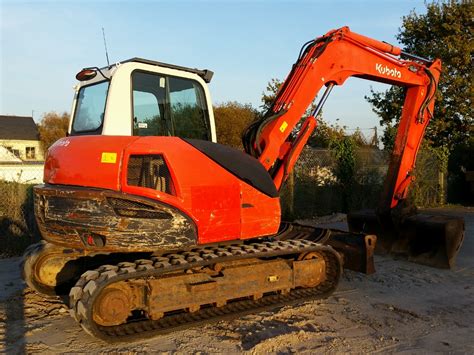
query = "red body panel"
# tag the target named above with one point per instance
(222, 206)
(72, 161)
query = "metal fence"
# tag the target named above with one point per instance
(314, 190)
(25, 173)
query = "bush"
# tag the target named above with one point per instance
(18, 227)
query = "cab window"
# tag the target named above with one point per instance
(168, 106)
(90, 108)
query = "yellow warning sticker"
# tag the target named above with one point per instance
(283, 126)
(110, 158)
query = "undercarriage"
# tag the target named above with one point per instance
(120, 296)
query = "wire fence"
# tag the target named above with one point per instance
(314, 190)
(24, 173)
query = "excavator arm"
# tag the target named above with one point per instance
(328, 61)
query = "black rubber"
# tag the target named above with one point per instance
(243, 166)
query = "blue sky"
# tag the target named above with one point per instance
(246, 43)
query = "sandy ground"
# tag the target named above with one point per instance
(403, 308)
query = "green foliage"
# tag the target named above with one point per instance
(325, 133)
(388, 137)
(460, 162)
(344, 152)
(189, 121)
(52, 127)
(18, 227)
(428, 189)
(269, 95)
(445, 32)
(231, 119)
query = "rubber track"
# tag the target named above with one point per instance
(89, 286)
(26, 267)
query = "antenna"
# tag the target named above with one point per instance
(105, 45)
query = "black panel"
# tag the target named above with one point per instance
(244, 166)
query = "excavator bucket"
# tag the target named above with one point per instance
(432, 240)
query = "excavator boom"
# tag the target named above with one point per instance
(329, 61)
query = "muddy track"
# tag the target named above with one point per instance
(90, 285)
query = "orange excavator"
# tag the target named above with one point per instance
(150, 225)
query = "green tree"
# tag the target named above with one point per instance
(343, 150)
(445, 32)
(52, 127)
(231, 119)
(325, 134)
(269, 95)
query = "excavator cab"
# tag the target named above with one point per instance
(139, 97)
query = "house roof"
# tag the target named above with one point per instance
(18, 127)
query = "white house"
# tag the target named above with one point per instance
(20, 136)
(21, 156)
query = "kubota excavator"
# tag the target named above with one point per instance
(149, 225)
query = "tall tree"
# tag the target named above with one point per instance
(231, 119)
(52, 127)
(445, 31)
(269, 95)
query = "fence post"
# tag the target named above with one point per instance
(442, 191)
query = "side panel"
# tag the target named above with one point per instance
(260, 213)
(92, 161)
(205, 191)
(220, 205)
(216, 199)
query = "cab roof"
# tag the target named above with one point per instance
(205, 74)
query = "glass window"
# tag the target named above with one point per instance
(16, 152)
(168, 106)
(188, 111)
(149, 98)
(90, 107)
(30, 153)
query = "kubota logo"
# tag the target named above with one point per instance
(388, 71)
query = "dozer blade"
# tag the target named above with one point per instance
(357, 249)
(432, 240)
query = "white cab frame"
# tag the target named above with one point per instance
(118, 107)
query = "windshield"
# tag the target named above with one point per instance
(90, 107)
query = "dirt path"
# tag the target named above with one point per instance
(404, 307)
